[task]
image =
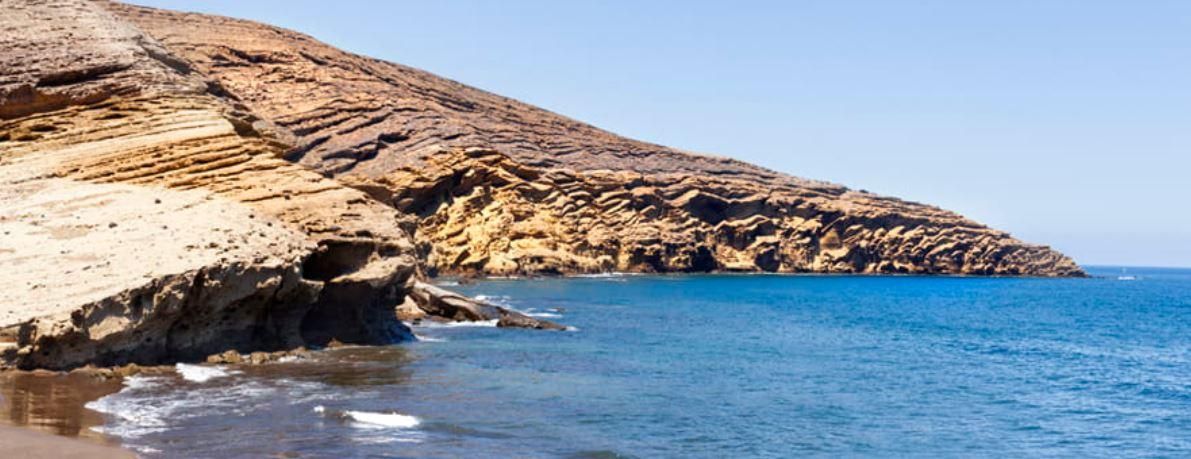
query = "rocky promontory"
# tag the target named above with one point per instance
(175, 185)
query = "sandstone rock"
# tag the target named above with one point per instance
(231, 356)
(439, 303)
(409, 310)
(148, 216)
(126, 370)
(299, 352)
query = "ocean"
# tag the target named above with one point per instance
(720, 366)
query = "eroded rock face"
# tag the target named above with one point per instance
(503, 187)
(484, 212)
(148, 217)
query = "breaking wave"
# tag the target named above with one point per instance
(199, 373)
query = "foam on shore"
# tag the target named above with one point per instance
(373, 420)
(476, 323)
(200, 373)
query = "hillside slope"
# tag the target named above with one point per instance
(502, 187)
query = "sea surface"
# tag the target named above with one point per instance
(720, 366)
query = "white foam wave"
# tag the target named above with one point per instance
(140, 382)
(500, 300)
(200, 373)
(149, 405)
(477, 323)
(605, 275)
(429, 339)
(368, 419)
(544, 315)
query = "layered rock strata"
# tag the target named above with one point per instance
(501, 187)
(147, 217)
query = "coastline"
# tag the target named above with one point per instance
(43, 414)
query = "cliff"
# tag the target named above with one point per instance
(174, 185)
(147, 217)
(502, 187)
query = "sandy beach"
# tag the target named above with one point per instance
(42, 415)
(17, 442)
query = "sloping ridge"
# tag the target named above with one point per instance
(502, 187)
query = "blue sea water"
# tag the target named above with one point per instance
(723, 365)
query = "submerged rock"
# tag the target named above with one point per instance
(518, 320)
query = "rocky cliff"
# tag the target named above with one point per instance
(173, 185)
(148, 217)
(501, 187)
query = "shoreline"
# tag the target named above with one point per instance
(44, 415)
(28, 442)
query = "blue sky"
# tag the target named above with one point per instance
(1066, 123)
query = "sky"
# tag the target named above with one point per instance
(1065, 123)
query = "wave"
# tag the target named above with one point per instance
(133, 420)
(200, 373)
(429, 339)
(368, 419)
(608, 275)
(149, 405)
(544, 315)
(500, 300)
(373, 420)
(477, 323)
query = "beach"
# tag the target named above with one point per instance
(18, 442)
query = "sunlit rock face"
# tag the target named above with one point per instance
(149, 217)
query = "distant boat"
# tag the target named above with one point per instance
(1125, 276)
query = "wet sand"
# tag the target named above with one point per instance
(43, 415)
(17, 442)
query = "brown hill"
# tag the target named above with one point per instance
(504, 187)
